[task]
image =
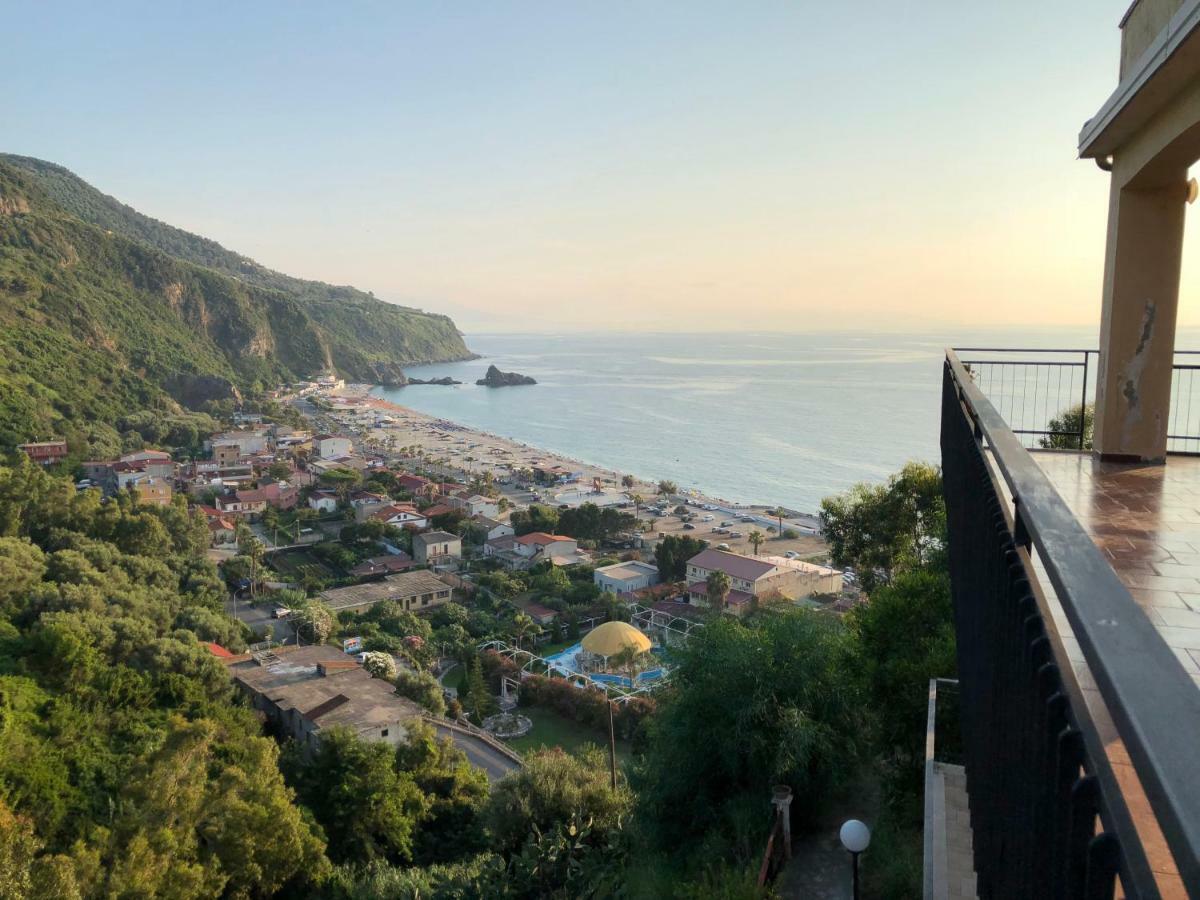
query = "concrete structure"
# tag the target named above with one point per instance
(625, 577)
(475, 504)
(492, 528)
(247, 504)
(383, 565)
(436, 547)
(414, 591)
(323, 501)
(1146, 135)
(328, 446)
(152, 490)
(758, 578)
(307, 690)
(538, 546)
(235, 444)
(45, 453)
(399, 514)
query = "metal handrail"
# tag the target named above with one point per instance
(1154, 703)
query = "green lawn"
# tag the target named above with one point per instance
(456, 678)
(552, 730)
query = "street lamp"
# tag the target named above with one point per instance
(855, 837)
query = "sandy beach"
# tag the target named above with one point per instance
(457, 449)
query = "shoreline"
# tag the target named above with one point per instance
(432, 433)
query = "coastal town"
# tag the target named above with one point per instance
(330, 511)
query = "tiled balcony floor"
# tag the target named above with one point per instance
(1146, 520)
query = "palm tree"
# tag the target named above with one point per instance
(756, 538)
(628, 660)
(779, 512)
(637, 503)
(522, 627)
(717, 586)
(667, 488)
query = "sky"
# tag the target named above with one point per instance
(684, 165)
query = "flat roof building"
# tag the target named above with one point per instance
(414, 591)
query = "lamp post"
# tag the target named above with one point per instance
(855, 837)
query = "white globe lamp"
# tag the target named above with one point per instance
(855, 837)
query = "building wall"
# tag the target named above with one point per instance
(613, 585)
(1145, 22)
(423, 553)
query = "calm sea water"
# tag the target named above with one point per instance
(759, 418)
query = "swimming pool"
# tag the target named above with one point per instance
(566, 663)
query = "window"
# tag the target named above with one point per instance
(383, 733)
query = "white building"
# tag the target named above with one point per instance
(329, 446)
(323, 501)
(754, 578)
(625, 577)
(436, 547)
(493, 528)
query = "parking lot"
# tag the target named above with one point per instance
(719, 528)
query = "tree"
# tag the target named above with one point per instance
(753, 704)
(280, 471)
(368, 809)
(522, 627)
(673, 552)
(756, 539)
(666, 489)
(313, 621)
(380, 665)
(628, 481)
(881, 529)
(717, 589)
(552, 789)
(479, 701)
(423, 688)
(1068, 426)
(778, 512)
(536, 518)
(637, 500)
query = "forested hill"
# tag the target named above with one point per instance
(105, 311)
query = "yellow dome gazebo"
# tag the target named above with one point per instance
(613, 637)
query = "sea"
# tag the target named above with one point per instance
(772, 418)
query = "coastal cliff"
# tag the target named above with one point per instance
(496, 378)
(106, 312)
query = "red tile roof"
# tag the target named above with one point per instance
(732, 564)
(540, 537)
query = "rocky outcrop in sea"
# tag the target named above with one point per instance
(496, 378)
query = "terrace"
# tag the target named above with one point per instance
(1074, 550)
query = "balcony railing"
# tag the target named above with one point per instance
(1038, 391)
(1049, 813)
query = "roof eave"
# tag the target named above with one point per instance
(1123, 112)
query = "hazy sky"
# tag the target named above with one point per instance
(557, 165)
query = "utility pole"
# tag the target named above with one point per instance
(612, 743)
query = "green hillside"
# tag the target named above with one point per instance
(105, 312)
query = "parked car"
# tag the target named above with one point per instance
(736, 534)
(722, 546)
(720, 530)
(747, 519)
(706, 518)
(727, 523)
(791, 554)
(688, 526)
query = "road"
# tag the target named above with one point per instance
(479, 753)
(259, 618)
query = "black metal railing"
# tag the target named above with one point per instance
(1046, 394)
(1049, 816)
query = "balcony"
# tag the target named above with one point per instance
(1074, 582)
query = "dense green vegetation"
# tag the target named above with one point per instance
(106, 313)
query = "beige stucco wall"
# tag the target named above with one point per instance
(1143, 24)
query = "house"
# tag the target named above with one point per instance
(438, 509)
(625, 577)
(754, 578)
(323, 501)
(328, 446)
(368, 498)
(436, 547)
(541, 615)
(414, 484)
(45, 453)
(413, 591)
(306, 691)
(401, 515)
(252, 503)
(500, 547)
(492, 528)
(236, 444)
(474, 504)
(538, 546)
(151, 490)
(222, 532)
(383, 565)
